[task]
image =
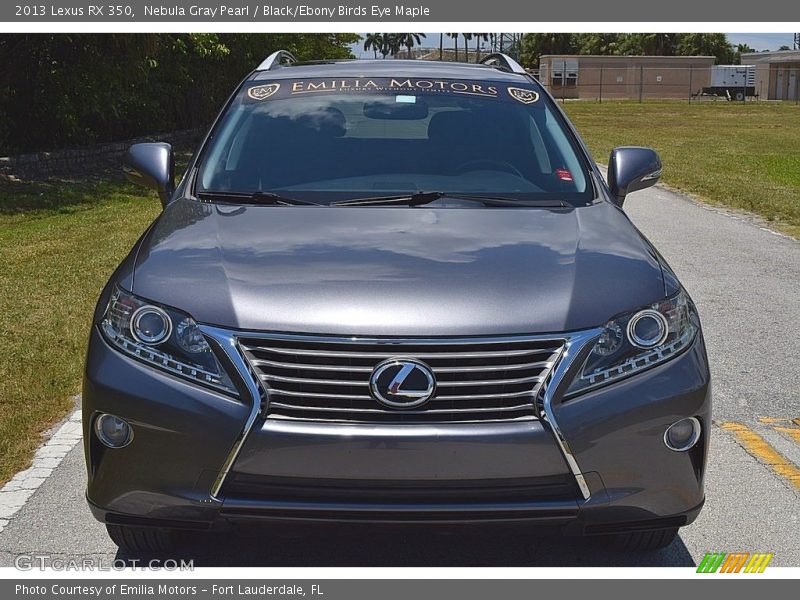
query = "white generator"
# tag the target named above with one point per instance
(735, 82)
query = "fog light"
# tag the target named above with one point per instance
(113, 431)
(682, 435)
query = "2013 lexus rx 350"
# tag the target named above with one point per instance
(394, 291)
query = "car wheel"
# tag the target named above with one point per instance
(142, 540)
(644, 540)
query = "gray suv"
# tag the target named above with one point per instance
(398, 292)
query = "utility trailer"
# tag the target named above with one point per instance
(734, 82)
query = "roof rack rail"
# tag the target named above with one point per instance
(277, 59)
(498, 59)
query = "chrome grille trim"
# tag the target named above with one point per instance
(383, 355)
(257, 362)
(575, 346)
(326, 378)
(367, 397)
(469, 382)
(381, 411)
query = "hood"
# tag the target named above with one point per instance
(397, 270)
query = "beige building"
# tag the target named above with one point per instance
(618, 77)
(777, 74)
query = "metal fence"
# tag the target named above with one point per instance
(694, 84)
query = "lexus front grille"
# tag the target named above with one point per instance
(327, 379)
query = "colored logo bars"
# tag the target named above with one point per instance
(736, 562)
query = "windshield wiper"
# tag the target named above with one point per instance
(259, 197)
(422, 198)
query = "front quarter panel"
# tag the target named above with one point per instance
(618, 432)
(182, 434)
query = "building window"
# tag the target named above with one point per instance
(565, 72)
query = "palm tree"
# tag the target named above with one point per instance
(478, 38)
(441, 45)
(374, 42)
(409, 40)
(387, 44)
(454, 36)
(393, 42)
(467, 38)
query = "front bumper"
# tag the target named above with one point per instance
(596, 463)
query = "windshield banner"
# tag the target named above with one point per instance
(407, 89)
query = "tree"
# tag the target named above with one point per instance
(115, 87)
(388, 44)
(391, 44)
(409, 40)
(441, 45)
(706, 44)
(479, 37)
(454, 36)
(467, 37)
(741, 49)
(534, 45)
(374, 42)
(658, 44)
(648, 44)
(784, 47)
(597, 43)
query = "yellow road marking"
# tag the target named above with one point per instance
(793, 432)
(758, 447)
(771, 420)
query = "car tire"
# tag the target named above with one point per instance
(142, 540)
(644, 540)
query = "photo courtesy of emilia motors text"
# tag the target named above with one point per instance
(290, 307)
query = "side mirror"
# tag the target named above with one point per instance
(151, 165)
(632, 168)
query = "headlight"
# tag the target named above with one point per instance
(163, 338)
(638, 341)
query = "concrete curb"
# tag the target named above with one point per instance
(48, 457)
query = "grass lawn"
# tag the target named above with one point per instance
(58, 245)
(744, 156)
(59, 242)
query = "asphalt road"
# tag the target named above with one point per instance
(746, 282)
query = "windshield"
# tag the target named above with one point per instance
(328, 140)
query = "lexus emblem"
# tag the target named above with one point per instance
(402, 383)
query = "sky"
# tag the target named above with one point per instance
(757, 41)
